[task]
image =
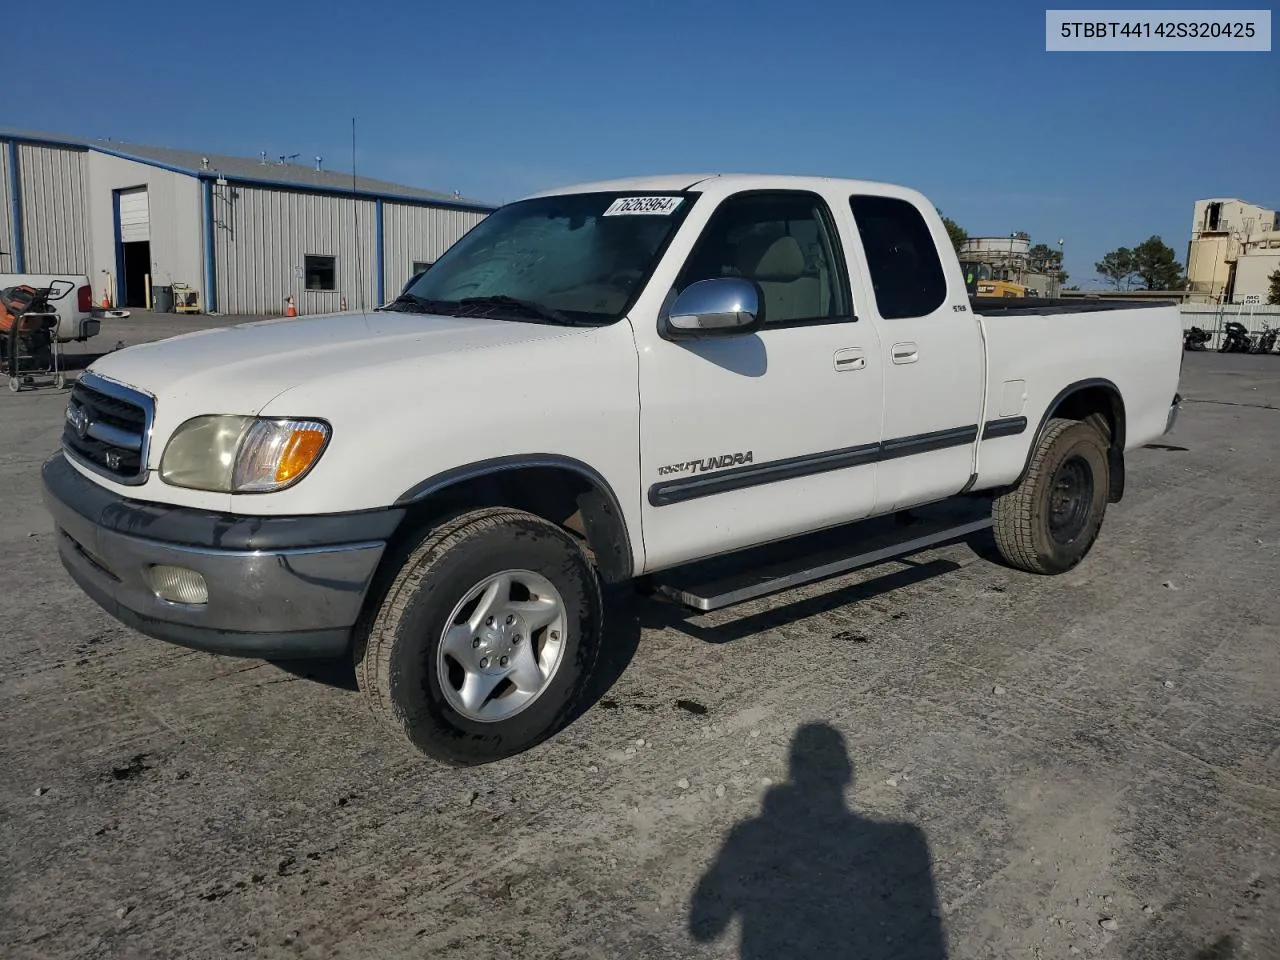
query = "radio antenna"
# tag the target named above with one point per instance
(355, 215)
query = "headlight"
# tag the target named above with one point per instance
(228, 454)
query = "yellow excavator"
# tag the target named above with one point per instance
(979, 281)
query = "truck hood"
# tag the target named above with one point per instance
(239, 369)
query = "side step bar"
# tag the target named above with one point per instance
(726, 589)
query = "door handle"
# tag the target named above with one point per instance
(905, 352)
(850, 358)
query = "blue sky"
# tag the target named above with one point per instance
(498, 98)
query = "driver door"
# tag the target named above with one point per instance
(752, 438)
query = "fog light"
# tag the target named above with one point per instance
(178, 585)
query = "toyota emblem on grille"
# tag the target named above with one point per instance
(79, 419)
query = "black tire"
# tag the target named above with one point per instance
(1040, 533)
(396, 651)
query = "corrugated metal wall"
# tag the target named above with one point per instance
(54, 182)
(6, 225)
(261, 237)
(418, 233)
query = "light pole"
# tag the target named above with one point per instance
(1061, 264)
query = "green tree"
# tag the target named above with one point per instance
(1156, 265)
(1273, 296)
(957, 233)
(1044, 259)
(1118, 267)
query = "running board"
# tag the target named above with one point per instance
(723, 589)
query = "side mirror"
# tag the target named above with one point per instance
(719, 307)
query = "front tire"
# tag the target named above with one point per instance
(1050, 520)
(484, 643)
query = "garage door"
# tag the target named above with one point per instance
(135, 217)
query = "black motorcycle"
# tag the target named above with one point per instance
(1236, 339)
(1267, 341)
(1195, 339)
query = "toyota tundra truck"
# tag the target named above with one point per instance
(717, 387)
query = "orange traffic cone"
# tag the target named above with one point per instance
(289, 309)
(106, 301)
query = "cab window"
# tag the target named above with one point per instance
(782, 240)
(902, 260)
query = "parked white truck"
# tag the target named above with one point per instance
(637, 379)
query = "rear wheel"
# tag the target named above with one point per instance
(1050, 520)
(486, 638)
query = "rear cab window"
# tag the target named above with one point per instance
(902, 260)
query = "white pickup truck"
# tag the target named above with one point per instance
(714, 385)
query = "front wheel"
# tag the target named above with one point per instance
(1050, 520)
(485, 640)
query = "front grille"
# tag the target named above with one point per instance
(108, 427)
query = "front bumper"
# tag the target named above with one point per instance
(278, 587)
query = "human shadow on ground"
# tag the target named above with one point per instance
(809, 878)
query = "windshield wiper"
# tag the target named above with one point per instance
(529, 308)
(412, 303)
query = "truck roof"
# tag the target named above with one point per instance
(729, 182)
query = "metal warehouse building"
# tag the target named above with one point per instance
(244, 234)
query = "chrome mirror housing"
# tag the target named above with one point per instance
(719, 307)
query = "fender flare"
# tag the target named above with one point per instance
(1115, 451)
(602, 517)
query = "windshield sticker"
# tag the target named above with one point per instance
(659, 206)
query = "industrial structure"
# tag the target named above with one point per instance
(223, 234)
(1004, 261)
(1234, 249)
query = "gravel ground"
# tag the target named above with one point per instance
(934, 758)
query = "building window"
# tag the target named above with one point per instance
(322, 272)
(419, 266)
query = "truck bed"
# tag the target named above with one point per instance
(1043, 306)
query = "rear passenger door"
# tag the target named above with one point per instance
(932, 353)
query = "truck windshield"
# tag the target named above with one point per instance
(575, 259)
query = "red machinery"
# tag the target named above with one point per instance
(29, 345)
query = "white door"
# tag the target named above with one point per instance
(932, 355)
(749, 439)
(135, 216)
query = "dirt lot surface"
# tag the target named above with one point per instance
(935, 758)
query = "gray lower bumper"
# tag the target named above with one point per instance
(279, 602)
